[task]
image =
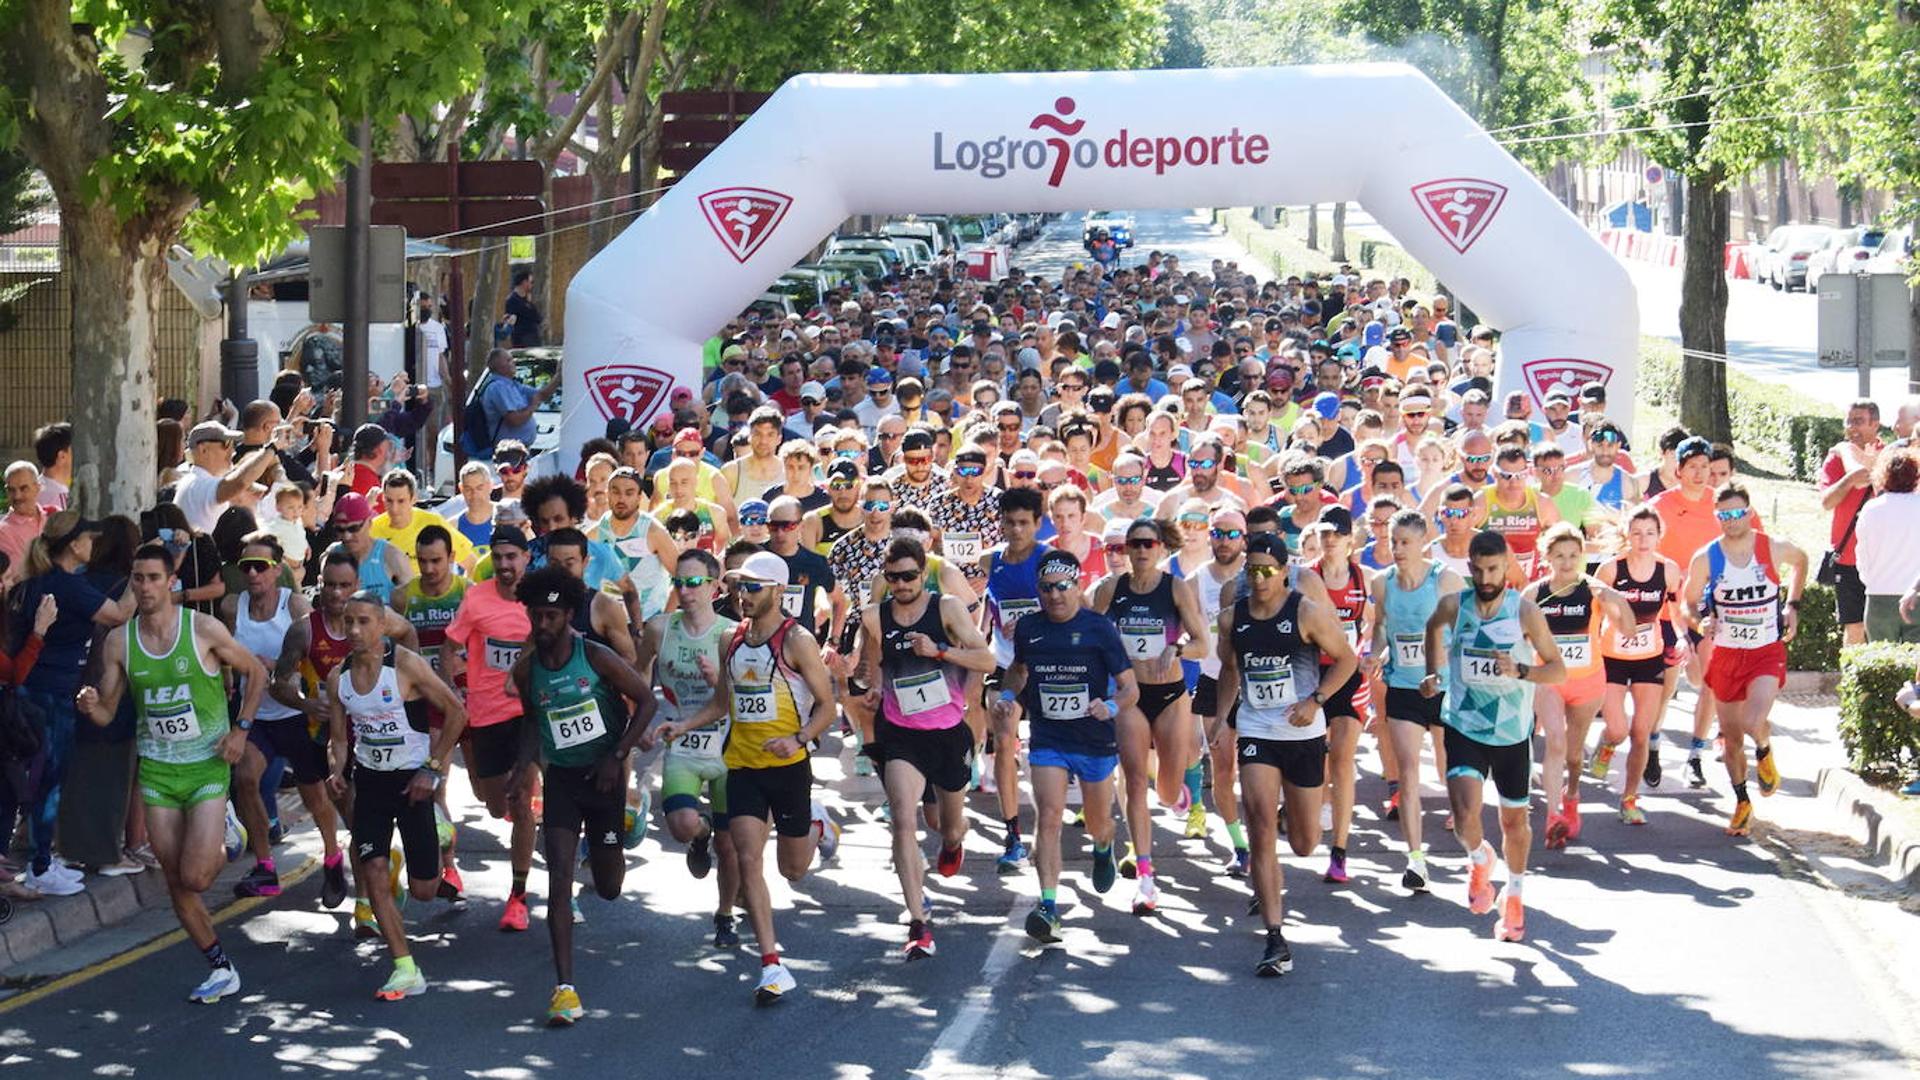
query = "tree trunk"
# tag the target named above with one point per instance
(1703, 309)
(1313, 226)
(115, 276)
(1339, 254)
(607, 217)
(489, 293)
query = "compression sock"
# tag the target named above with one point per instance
(1337, 851)
(519, 885)
(1145, 863)
(1699, 744)
(404, 965)
(216, 956)
(1195, 777)
(1049, 900)
(915, 929)
(1740, 792)
(769, 959)
(1238, 834)
(1514, 881)
(1013, 830)
(264, 864)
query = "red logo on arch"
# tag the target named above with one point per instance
(743, 217)
(1460, 208)
(1563, 374)
(627, 390)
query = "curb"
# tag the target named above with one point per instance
(39, 927)
(1863, 812)
(1811, 682)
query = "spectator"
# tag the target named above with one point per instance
(370, 451)
(53, 449)
(196, 561)
(213, 479)
(16, 773)
(27, 510)
(170, 450)
(523, 317)
(103, 830)
(471, 511)
(1888, 559)
(510, 403)
(1846, 483)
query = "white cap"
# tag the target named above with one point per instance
(1111, 322)
(1185, 345)
(812, 332)
(764, 566)
(813, 390)
(1028, 359)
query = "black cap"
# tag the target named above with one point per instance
(508, 535)
(843, 470)
(1268, 543)
(1340, 518)
(1692, 446)
(917, 440)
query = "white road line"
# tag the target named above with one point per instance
(948, 1056)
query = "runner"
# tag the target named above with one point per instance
(1514, 508)
(1642, 657)
(1012, 573)
(1572, 603)
(642, 542)
(601, 617)
(683, 649)
(1228, 535)
(856, 559)
(967, 515)
(813, 594)
(1750, 610)
(429, 603)
(1159, 619)
(484, 641)
(1489, 717)
(171, 658)
(397, 762)
(919, 646)
(573, 695)
(820, 528)
(1345, 706)
(1070, 671)
(1404, 598)
(775, 691)
(1456, 529)
(1270, 666)
(259, 618)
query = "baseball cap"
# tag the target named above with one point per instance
(63, 526)
(843, 470)
(1593, 391)
(211, 431)
(1115, 532)
(1373, 334)
(508, 535)
(687, 434)
(1692, 446)
(1399, 333)
(764, 566)
(878, 377)
(680, 394)
(754, 506)
(732, 351)
(1327, 404)
(351, 509)
(1270, 544)
(813, 391)
(1112, 321)
(1340, 518)
(663, 422)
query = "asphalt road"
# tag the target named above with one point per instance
(1668, 950)
(1189, 235)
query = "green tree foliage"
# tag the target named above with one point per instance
(21, 195)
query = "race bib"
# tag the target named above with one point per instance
(1637, 643)
(1746, 628)
(752, 703)
(1480, 669)
(1012, 610)
(962, 547)
(1410, 650)
(922, 693)
(1576, 650)
(576, 725)
(1270, 688)
(1064, 701)
(176, 724)
(792, 599)
(1145, 639)
(502, 655)
(1352, 630)
(704, 743)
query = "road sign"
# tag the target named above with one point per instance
(1874, 320)
(327, 274)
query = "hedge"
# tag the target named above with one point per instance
(1283, 250)
(1877, 733)
(1769, 421)
(1816, 644)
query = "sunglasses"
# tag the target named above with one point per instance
(1203, 463)
(969, 470)
(1128, 481)
(256, 566)
(1549, 470)
(1055, 586)
(1732, 515)
(750, 520)
(901, 577)
(349, 530)
(1455, 513)
(1301, 489)
(839, 485)
(1263, 571)
(1606, 436)
(1228, 534)
(918, 459)
(1476, 459)
(1505, 475)
(889, 436)
(513, 466)
(783, 526)
(1143, 543)
(752, 588)
(684, 537)
(693, 453)
(1025, 475)
(874, 506)
(693, 582)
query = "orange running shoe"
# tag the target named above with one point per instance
(1480, 882)
(515, 917)
(1513, 917)
(1742, 822)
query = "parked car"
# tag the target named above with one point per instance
(533, 367)
(869, 265)
(1846, 251)
(1895, 253)
(773, 307)
(1783, 257)
(869, 245)
(1119, 226)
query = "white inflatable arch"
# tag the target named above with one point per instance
(827, 147)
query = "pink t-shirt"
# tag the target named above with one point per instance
(493, 630)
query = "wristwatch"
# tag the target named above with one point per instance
(435, 765)
(243, 724)
(1317, 699)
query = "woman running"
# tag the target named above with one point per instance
(1640, 655)
(1346, 707)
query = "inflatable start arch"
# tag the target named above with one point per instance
(827, 147)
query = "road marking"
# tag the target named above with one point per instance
(141, 952)
(948, 1054)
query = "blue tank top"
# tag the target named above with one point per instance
(373, 573)
(1405, 613)
(1013, 591)
(1483, 705)
(1610, 494)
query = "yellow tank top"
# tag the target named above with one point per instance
(769, 701)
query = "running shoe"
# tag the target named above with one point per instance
(258, 881)
(1415, 878)
(1253, 906)
(1480, 882)
(1556, 830)
(515, 915)
(333, 880)
(775, 980)
(1076, 817)
(1103, 869)
(235, 838)
(724, 935)
(921, 947)
(975, 773)
(443, 829)
(365, 926)
(632, 832)
(579, 916)
(862, 765)
(1741, 823)
(1767, 773)
(829, 832)
(1651, 774)
(402, 985)
(1239, 864)
(1043, 926)
(1336, 870)
(451, 887)
(1277, 960)
(1146, 896)
(948, 864)
(220, 982)
(1570, 809)
(144, 856)
(1393, 806)
(1183, 802)
(1326, 815)
(1129, 864)
(52, 884)
(124, 866)
(1196, 822)
(1630, 812)
(564, 1007)
(1013, 860)
(700, 855)
(1513, 917)
(1601, 761)
(1696, 777)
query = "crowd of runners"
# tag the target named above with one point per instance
(1164, 540)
